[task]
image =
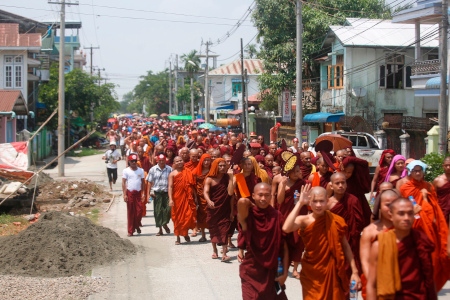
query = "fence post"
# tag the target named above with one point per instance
(404, 140)
(380, 135)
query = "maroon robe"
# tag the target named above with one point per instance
(416, 267)
(145, 164)
(293, 240)
(443, 194)
(269, 171)
(306, 171)
(218, 218)
(359, 184)
(349, 208)
(134, 212)
(325, 179)
(264, 245)
(381, 177)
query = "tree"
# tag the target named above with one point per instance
(276, 24)
(153, 90)
(191, 62)
(126, 100)
(184, 95)
(251, 51)
(81, 95)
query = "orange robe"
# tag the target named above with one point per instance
(183, 210)
(190, 165)
(432, 223)
(323, 274)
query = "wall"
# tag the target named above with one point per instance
(221, 89)
(24, 88)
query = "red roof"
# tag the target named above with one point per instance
(10, 37)
(12, 101)
(253, 66)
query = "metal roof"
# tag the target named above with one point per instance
(253, 66)
(382, 33)
(322, 117)
(12, 100)
(434, 83)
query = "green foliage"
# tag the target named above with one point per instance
(153, 90)
(184, 95)
(434, 162)
(276, 24)
(187, 59)
(81, 93)
(251, 51)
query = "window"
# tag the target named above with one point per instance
(394, 74)
(236, 88)
(335, 74)
(13, 71)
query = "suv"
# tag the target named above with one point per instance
(365, 146)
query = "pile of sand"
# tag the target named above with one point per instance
(61, 245)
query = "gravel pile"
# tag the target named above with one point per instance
(64, 288)
(61, 245)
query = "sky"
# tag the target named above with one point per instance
(136, 36)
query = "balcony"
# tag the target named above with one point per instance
(426, 67)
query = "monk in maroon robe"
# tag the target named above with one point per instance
(285, 200)
(261, 225)
(349, 208)
(400, 260)
(381, 171)
(442, 186)
(218, 191)
(358, 182)
(306, 166)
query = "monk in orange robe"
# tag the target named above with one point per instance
(200, 173)
(182, 199)
(322, 176)
(323, 274)
(400, 260)
(442, 186)
(193, 162)
(431, 221)
(349, 208)
(382, 223)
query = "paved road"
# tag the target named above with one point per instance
(162, 270)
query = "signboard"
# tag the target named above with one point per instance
(286, 102)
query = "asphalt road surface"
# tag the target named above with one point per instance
(162, 270)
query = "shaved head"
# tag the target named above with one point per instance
(337, 175)
(319, 191)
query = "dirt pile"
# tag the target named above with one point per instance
(61, 245)
(67, 195)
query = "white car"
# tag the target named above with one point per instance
(365, 146)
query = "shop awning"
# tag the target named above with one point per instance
(180, 118)
(322, 117)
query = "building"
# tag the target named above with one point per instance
(225, 84)
(366, 69)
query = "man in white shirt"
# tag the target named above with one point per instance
(133, 192)
(111, 157)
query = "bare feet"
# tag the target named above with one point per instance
(214, 256)
(295, 274)
(231, 245)
(194, 232)
(225, 258)
(187, 238)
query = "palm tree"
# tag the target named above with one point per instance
(191, 62)
(251, 51)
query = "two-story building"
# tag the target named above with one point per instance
(225, 84)
(366, 69)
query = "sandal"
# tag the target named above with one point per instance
(214, 256)
(177, 243)
(166, 229)
(225, 259)
(240, 258)
(202, 239)
(159, 234)
(187, 238)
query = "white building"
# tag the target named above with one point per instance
(225, 84)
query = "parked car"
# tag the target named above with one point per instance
(365, 146)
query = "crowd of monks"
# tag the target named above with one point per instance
(300, 210)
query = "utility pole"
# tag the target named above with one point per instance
(170, 87)
(192, 99)
(298, 84)
(443, 104)
(207, 84)
(92, 62)
(176, 85)
(61, 108)
(99, 75)
(244, 121)
(245, 111)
